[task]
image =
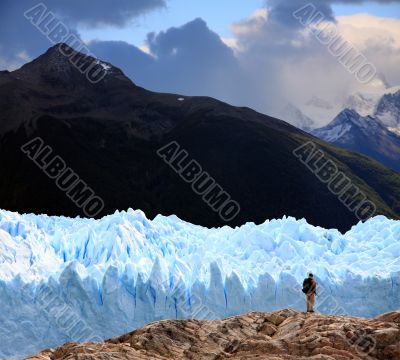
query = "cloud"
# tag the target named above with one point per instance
(103, 12)
(18, 35)
(270, 60)
(362, 28)
(190, 60)
(136, 64)
(288, 64)
(281, 11)
(378, 38)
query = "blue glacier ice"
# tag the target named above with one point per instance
(65, 279)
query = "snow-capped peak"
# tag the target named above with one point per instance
(366, 103)
(379, 101)
(353, 117)
(346, 122)
(388, 109)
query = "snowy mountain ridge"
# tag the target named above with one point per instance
(364, 134)
(366, 103)
(346, 121)
(381, 103)
(123, 271)
(388, 109)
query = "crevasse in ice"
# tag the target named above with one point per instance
(65, 279)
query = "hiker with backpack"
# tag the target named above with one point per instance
(310, 289)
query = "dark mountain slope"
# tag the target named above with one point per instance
(109, 134)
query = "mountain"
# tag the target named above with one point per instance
(108, 133)
(363, 134)
(281, 335)
(388, 110)
(319, 111)
(110, 276)
(294, 116)
(366, 103)
(383, 104)
(376, 101)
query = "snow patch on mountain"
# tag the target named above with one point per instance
(336, 132)
(123, 271)
(394, 130)
(105, 66)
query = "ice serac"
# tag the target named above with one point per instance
(65, 279)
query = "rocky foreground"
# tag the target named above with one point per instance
(285, 334)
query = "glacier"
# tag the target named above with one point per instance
(64, 279)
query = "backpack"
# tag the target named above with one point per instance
(306, 285)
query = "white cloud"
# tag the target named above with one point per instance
(288, 64)
(231, 42)
(23, 55)
(253, 24)
(362, 29)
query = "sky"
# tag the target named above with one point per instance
(219, 15)
(252, 53)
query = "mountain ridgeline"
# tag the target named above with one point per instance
(108, 134)
(364, 134)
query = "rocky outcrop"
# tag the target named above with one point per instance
(281, 335)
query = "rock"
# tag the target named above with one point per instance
(281, 335)
(268, 329)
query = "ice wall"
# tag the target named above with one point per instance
(67, 279)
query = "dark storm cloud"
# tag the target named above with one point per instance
(190, 60)
(193, 52)
(19, 39)
(90, 12)
(103, 12)
(193, 48)
(190, 41)
(282, 11)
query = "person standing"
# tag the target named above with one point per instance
(310, 289)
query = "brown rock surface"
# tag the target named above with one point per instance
(282, 335)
